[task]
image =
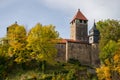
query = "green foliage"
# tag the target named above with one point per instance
(109, 36)
(109, 30)
(109, 50)
(31, 57)
(71, 75)
(74, 61)
(3, 58)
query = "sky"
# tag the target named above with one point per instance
(56, 12)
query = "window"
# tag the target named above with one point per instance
(80, 21)
(90, 38)
(77, 21)
(85, 22)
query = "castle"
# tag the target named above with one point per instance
(80, 46)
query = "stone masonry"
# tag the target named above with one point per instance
(78, 47)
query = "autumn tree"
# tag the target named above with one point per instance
(109, 50)
(110, 70)
(109, 30)
(41, 42)
(16, 35)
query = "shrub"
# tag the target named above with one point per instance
(74, 61)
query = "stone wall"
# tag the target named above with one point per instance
(61, 52)
(81, 32)
(87, 54)
(95, 55)
(80, 52)
(73, 31)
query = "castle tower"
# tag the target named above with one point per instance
(94, 40)
(79, 27)
(94, 34)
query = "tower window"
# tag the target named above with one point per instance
(90, 38)
(85, 22)
(80, 21)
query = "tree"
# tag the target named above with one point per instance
(3, 57)
(41, 42)
(16, 35)
(109, 50)
(110, 70)
(109, 30)
(109, 33)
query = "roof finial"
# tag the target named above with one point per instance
(94, 24)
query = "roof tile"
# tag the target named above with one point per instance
(79, 15)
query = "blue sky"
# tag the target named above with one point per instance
(56, 12)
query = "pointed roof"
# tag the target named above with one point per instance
(94, 30)
(94, 27)
(79, 15)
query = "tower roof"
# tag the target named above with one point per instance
(94, 27)
(94, 30)
(79, 15)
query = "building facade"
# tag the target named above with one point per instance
(80, 46)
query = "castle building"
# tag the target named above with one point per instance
(94, 34)
(80, 46)
(79, 27)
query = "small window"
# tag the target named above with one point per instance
(80, 21)
(85, 22)
(90, 38)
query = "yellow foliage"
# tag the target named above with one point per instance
(18, 59)
(107, 62)
(116, 57)
(16, 35)
(42, 40)
(103, 73)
